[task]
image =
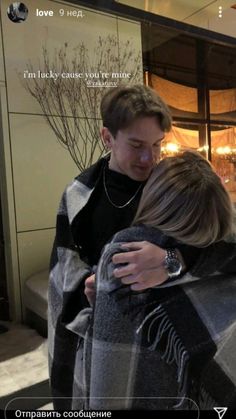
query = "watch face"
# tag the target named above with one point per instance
(172, 263)
(174, 266)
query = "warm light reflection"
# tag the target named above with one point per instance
(223, 150)
(226, 152)
(174, 148)
(224, 161)
(204, 148)
(170, 148)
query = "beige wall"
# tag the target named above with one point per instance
(2, 75)
(34, 166)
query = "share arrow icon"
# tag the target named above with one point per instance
(220, 411)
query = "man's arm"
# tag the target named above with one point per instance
(145, 263)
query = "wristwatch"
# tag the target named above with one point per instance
(172, 263)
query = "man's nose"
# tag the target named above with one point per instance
(147, 157)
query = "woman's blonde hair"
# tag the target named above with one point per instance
(186, 200)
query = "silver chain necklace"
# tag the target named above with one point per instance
(109, 199)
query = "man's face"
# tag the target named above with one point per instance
(136, 149)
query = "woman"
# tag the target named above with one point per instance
(159, 349)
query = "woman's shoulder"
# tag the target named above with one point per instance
(128, 234)
(142, 233)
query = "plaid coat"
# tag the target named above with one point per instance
(165, 348)
(69, 358)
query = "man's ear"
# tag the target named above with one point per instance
(106, 137)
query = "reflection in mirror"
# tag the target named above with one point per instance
(197, 80)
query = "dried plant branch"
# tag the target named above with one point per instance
(69, 105)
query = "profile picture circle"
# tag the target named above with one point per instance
(17, 12)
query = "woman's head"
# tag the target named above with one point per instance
(186, 200)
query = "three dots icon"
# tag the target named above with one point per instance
(220, 12)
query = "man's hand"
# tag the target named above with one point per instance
(90, 290)
(145, 265)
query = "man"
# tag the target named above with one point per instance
(101, 201)
(134, 149)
